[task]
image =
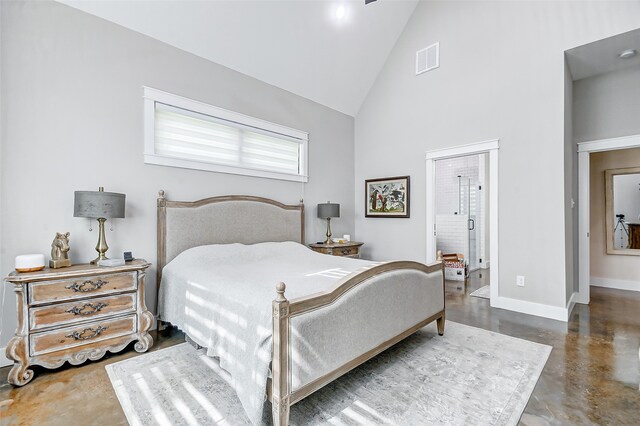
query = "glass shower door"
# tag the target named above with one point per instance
(468, 205)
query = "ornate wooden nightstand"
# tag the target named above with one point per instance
(77, 313)
(348, 249)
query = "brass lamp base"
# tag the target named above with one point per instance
(328, 240)
(102, 246)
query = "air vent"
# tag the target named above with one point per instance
(428, 58)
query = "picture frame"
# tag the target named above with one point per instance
(387, 197)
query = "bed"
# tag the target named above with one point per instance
(283, 320)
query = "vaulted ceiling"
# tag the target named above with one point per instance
(298, 45)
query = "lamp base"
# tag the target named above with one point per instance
(328, 234)
(102, 246)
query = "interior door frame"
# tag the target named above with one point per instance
(490, 147)
(584, 151)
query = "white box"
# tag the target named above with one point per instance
(454, 274)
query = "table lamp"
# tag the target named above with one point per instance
(99, 205)
(327, 211)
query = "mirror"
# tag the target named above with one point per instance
(622, 200)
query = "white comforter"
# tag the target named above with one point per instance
(220, 295)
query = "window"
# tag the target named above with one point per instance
(181, 132)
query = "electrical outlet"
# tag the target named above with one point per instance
(520, 280)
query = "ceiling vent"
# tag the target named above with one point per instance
(428, 58)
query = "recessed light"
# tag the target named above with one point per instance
(629, 53)
(340, 12)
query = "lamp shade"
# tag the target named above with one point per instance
(327, 210)
(97, 204)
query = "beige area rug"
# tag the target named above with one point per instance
(469, 376)
(483, 292)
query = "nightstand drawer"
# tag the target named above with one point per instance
(323, 250)
(82, 334)
(346, 251)
(80, 288)
(81, 310)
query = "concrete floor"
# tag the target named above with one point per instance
(592, 376)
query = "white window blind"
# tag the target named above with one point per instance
(190, 134)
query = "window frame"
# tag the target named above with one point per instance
(151, 96)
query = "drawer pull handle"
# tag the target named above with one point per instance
(79, 335)
(346, 251)
(79, 287)
(79, 310)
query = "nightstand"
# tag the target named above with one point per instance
(77, 313)
(348, 249)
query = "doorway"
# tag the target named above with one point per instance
(454, 213)
(585, 149)
(462, 207)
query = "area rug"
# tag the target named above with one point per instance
(482, 292)
(469, 376)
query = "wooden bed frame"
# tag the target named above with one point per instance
(279, 390)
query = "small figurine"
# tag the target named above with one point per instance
(59, 251)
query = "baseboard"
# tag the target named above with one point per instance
(558, 313)
(613, 283)
(4, 361)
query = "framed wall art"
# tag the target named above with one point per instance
(387, 197)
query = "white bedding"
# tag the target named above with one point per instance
(220, 295)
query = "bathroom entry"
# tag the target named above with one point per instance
(461, 207)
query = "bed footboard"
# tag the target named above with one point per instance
(430, 281)
(280, 361)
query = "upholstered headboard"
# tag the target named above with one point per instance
(224, 220)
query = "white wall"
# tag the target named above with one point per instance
(5, 289)
(501, 76)
(72, 114)
(448, 198)
(607, 105)
(453, 234)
